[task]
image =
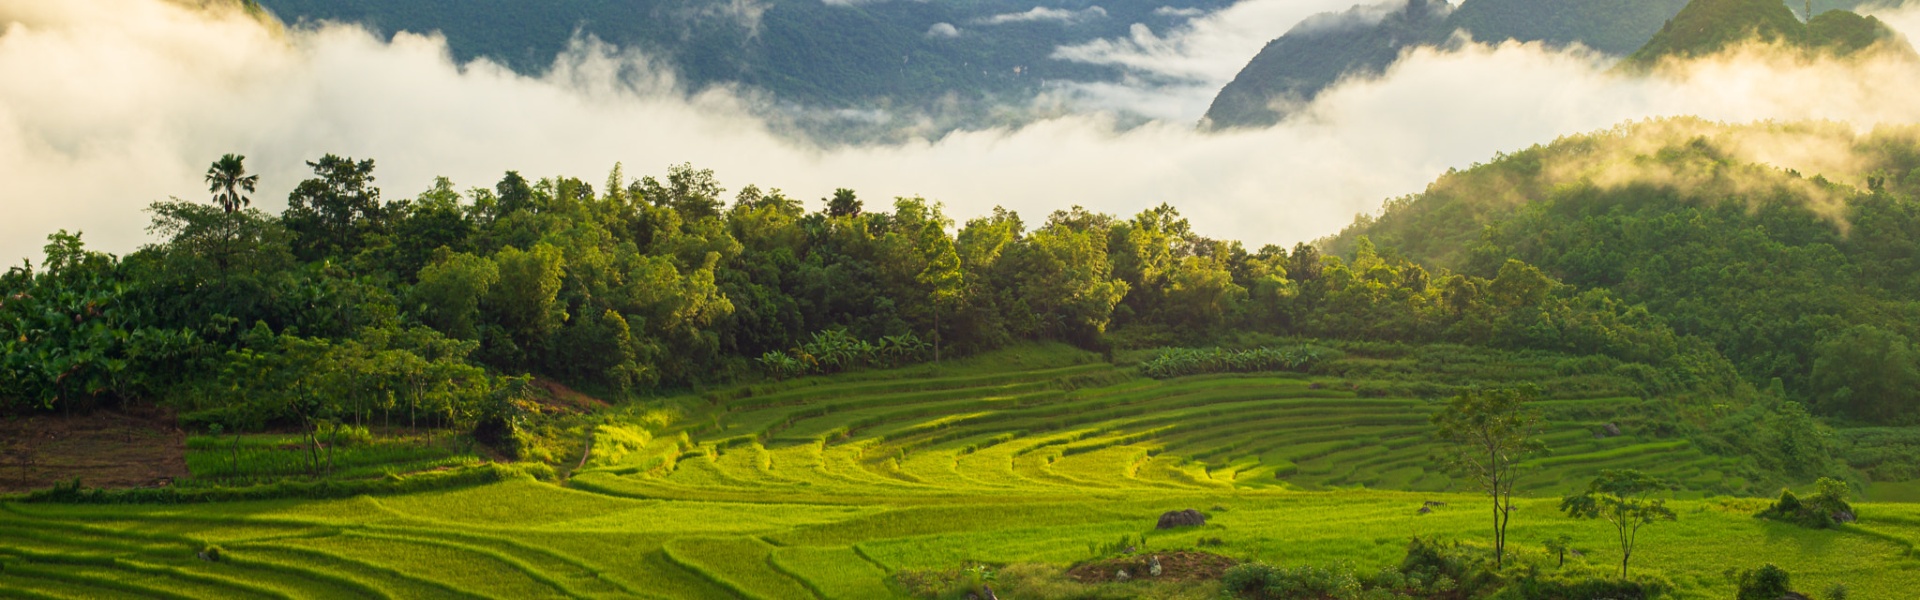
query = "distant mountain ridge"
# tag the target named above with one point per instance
(1295, 67)
(970, 57)
(1705, 27)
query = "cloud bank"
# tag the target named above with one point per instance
(1042, 13)
(112, 104)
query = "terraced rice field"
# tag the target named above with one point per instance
(822, 488)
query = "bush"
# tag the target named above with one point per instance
(1180, 362)
(834, 351)
(1766, 583)
(1825, 508)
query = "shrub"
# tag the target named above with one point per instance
(1180, 362)
(1765, 583)
(834, 351)
(1823, 509)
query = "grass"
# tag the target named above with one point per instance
(823, 487)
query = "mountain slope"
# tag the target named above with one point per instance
(839, 54)
(1783, 271)
(1321, 50)
(1296, 66)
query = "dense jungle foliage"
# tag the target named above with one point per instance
(352, 307)
(1806, 284)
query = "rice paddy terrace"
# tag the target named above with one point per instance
(821, 488)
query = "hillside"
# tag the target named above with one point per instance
(1018, 462)
(1782, 270)
(1296, 66)
(1705, 27)
(1318, 52)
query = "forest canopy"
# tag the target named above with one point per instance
(352, 305)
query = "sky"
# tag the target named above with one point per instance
(110, 105)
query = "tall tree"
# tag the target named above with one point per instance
(1626, 499)
(1490, 432)
(227, 178)
(331, 213)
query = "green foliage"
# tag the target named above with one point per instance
(1626, 499)
(1705, 27)
(1430, 570)
(1180, 362)
(834, 351)
(1768, 582)
(1489, 435)
(1822, 510)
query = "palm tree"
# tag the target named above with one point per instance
(226, 178)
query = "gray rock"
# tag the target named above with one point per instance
(1153, 567)
(1121, 575)
(1181, 518)
(1613, 430)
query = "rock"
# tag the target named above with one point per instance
(1121, 575)
(1181, 518)
(1612, 430)
(1153, 567)
(1845, 516)
(1426, 510)
(987, 593)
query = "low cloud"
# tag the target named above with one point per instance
(1042, 13)
(109, 105)
(943, 30)
(1187, 12)
(1174, 74)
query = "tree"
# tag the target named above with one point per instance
(1490, 433)
(843, 204)
(1626, 499)
(331, 213)
(227, 178)
(1867, 372)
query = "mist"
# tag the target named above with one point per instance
(109, 105)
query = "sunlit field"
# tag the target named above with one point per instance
(824, 487)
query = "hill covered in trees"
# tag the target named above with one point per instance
(1805, 281)
(1705, 27)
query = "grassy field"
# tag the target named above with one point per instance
(821, 488)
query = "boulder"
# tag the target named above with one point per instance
(1612, 430)
(1426, 510)
(1121, 575)
(1181, 518)
(1844, 516)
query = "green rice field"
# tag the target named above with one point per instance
(825, 487)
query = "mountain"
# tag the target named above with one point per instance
(1708, 26)
(1298, 65)
(1363, 40)
(834, 54)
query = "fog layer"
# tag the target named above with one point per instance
(109, 105)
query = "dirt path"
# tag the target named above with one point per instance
(108, 448)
